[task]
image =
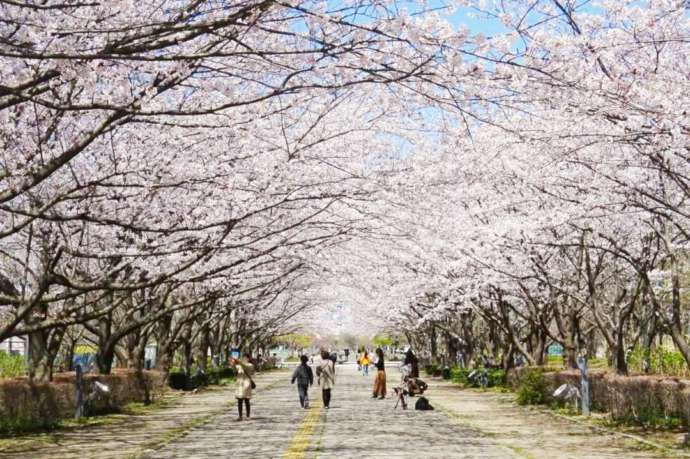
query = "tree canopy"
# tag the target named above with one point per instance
(204, 173)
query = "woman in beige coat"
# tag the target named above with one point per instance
(245, 371)
(326, 373)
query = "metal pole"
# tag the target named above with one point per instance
(584, 385)
(79, 396)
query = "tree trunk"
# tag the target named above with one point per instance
(106, 348)
(139, 375)
(649, 332)
(434, 345)
(188, 357)
(620, 365)
(676, 325)
(166, 347)
(509, 358)
(570, 344)
(68, 356)
(131, 343)
(202, 349)
(539, 354)
(452, 345)
(592, 342)
(105, 357)
(38, 362)
(164, 360)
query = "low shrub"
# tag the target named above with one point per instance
(198, 380)
(445, 374)
(459, 375)
(269, 363)
(11, 366)
(554, 360)
(496, 377)
(660, 360)
(648, 401)
(227, 372)
(14, 426)
(430, 369)
(533, 388)
(218, 375)
(25, 406)
(212, 377)
(177, 380)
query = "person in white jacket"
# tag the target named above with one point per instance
(326, 374)
(243, 393)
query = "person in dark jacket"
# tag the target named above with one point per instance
(305, 378)
(411, 360)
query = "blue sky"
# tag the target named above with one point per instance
(476, 22)
(468, 17)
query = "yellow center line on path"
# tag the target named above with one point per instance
(298, 447)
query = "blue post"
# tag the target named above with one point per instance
(78, 382)
(584, 385)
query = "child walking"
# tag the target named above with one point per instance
(305, 378)
(364, 360)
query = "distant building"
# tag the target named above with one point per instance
(14, 345)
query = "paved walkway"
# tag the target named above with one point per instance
(530, 432)
(133, 437)
(466, 424)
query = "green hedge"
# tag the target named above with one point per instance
(445, 373)
(533, 388)
(459, 375)
(26, 406)
(179, 380)
(433, 370)
(495, 377)
(660, 360)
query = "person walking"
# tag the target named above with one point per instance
(305, 378)
(380, 380)
(245, 384)
(326, 374)
(364, 360)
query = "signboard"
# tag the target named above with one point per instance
(555, 350)
(85, 361)
(235, 353)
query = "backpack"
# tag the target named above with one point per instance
(423, 404)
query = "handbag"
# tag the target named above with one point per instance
(251, 381)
